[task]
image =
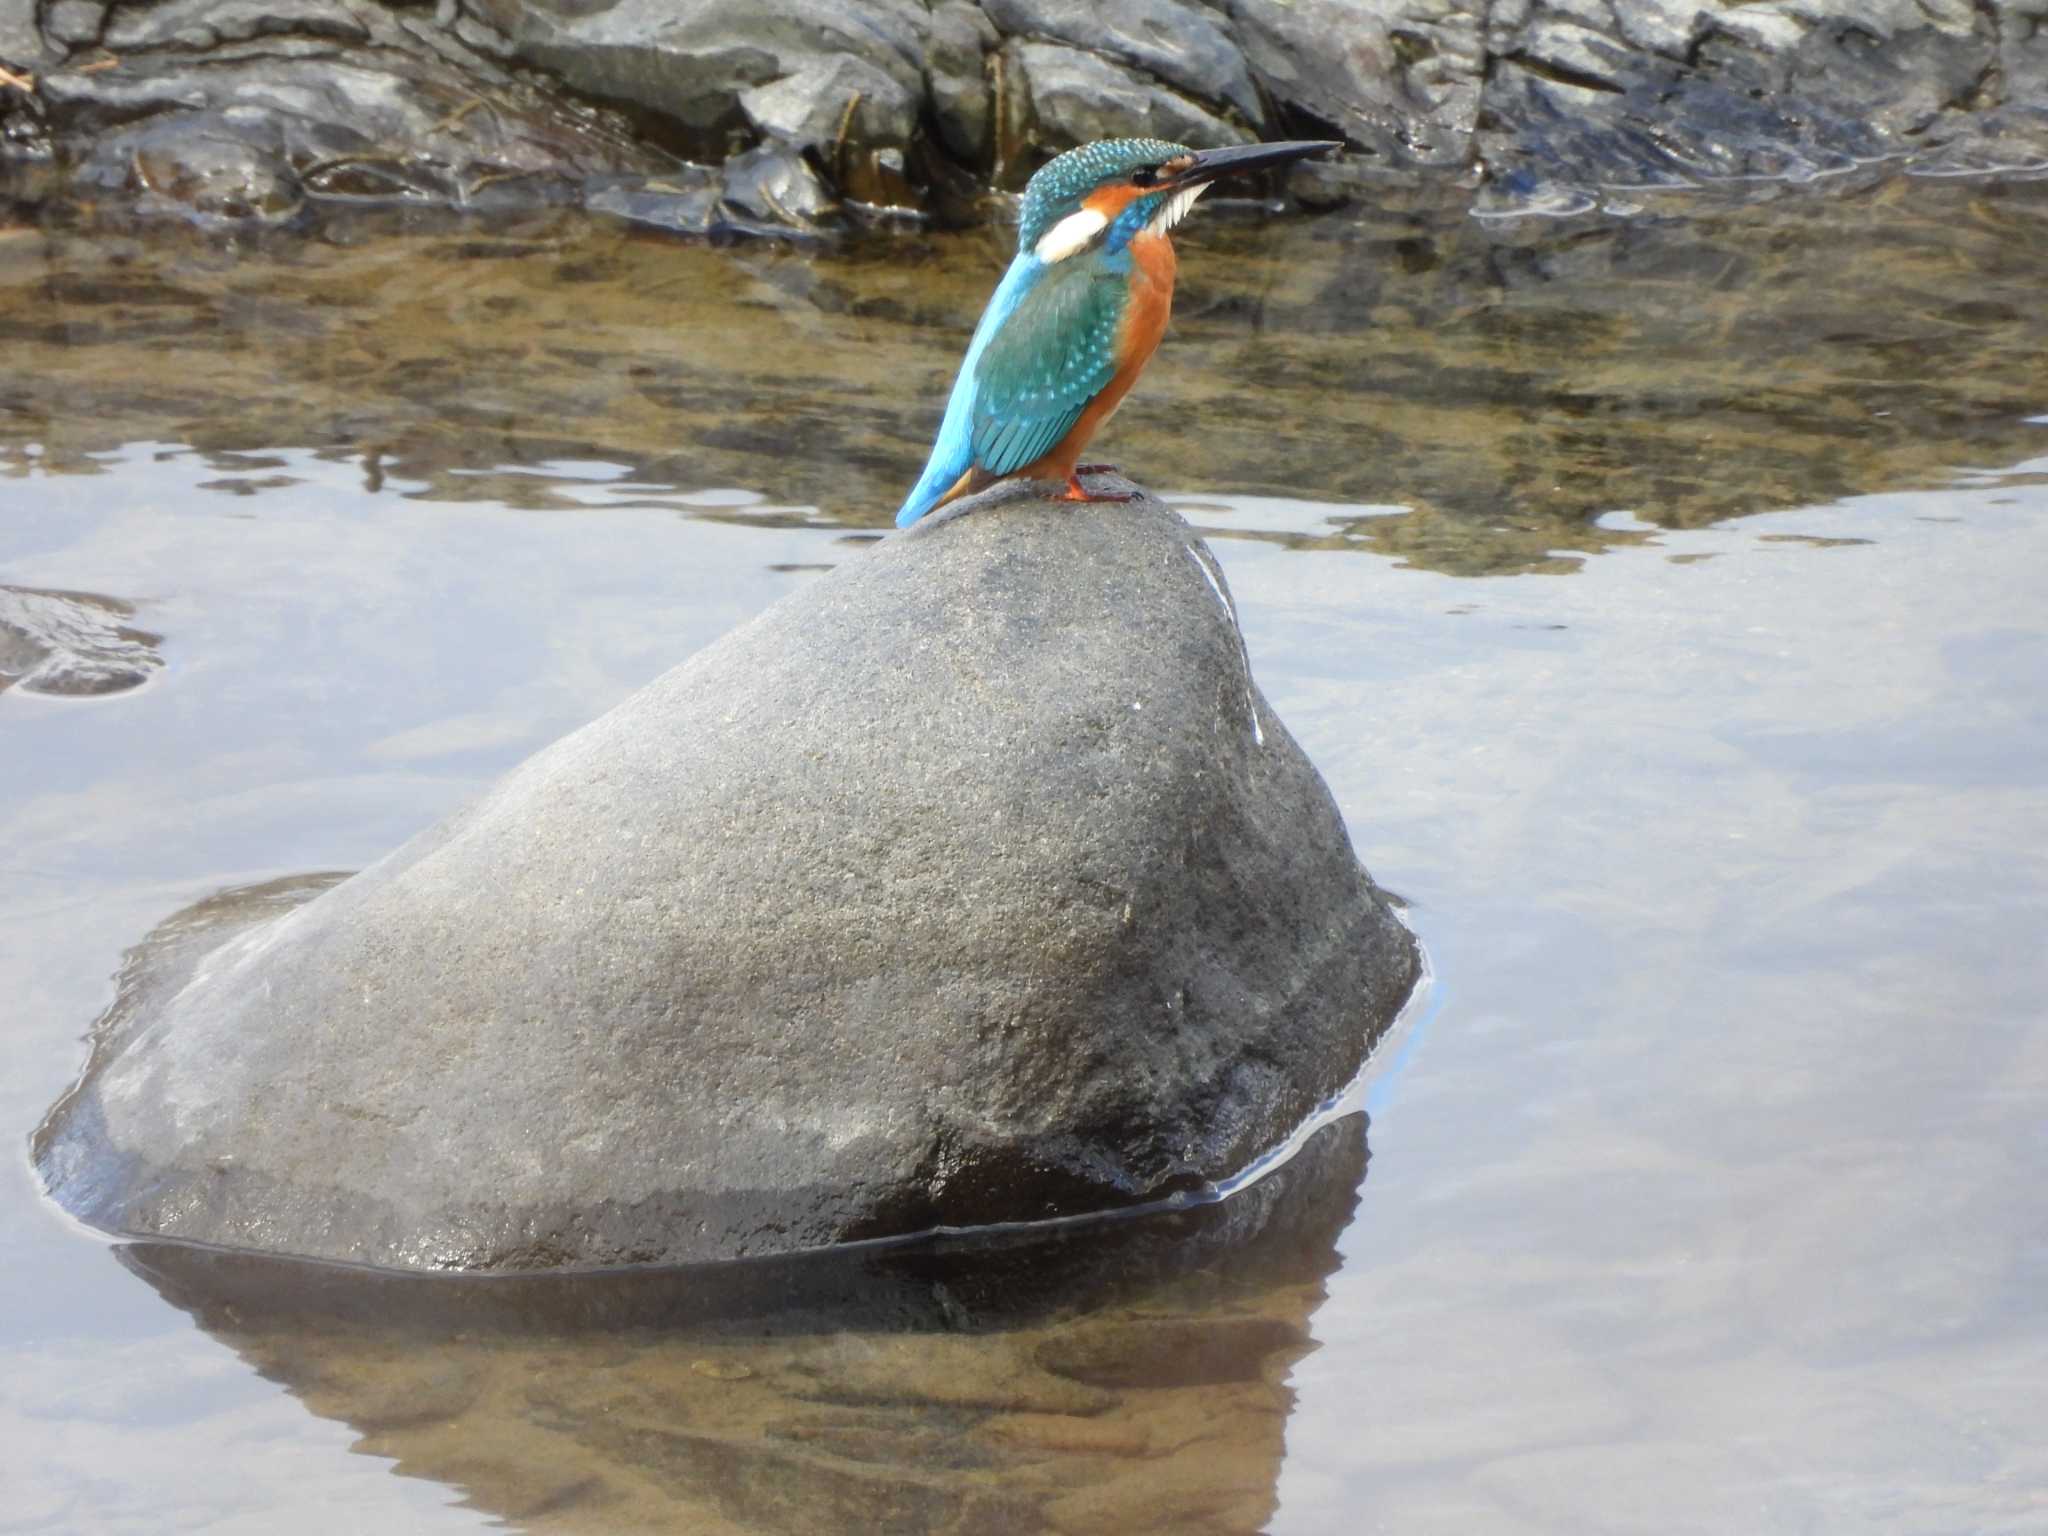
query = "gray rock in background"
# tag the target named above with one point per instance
(255, 109)
(831, 102)
(1539, 105)
(1183, 45)
(1400, 77)
(973, 882)
(846, 116)
(21, 40)
(775, 188)
(956, 76)
(844, 81)
(74, 23)
(202, 24)
(1583, 95)
(1058, 97)
(24, 55)
(689, 61)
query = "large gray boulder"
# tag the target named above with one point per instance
(973, 882)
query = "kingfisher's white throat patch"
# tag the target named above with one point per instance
(1175, 208)
(1071, 234)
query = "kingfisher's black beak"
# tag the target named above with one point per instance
(1236, 159)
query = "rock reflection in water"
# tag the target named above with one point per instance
(1113, 1376)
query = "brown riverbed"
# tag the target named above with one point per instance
(1662, 597)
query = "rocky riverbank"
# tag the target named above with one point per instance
(723, 118)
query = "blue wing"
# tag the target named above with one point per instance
(953, 452)
(1054, 354)
(1045, 347)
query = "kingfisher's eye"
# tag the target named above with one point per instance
(1144, 175)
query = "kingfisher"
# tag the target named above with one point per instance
(1078, 314)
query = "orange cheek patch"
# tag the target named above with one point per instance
(1113, 200)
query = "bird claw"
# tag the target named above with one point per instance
(1076, 491)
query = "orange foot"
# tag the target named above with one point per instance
(1076, 491)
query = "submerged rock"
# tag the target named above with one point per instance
(973, 882)
(776, 188)
(72, 644)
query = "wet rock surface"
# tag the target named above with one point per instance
(268, 110)
(971, 883)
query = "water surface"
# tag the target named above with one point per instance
(1662, 598)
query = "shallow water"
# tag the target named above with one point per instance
(1706, 1196)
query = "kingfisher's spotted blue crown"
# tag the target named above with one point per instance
(1060, 184)
(1078, 314)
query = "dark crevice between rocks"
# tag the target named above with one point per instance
(713, 144)
(1989, 89)
(956, 195)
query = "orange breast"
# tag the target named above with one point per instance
(1152, 272)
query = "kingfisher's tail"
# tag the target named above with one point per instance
(939, 484)
(915, 505)
(950, 472)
